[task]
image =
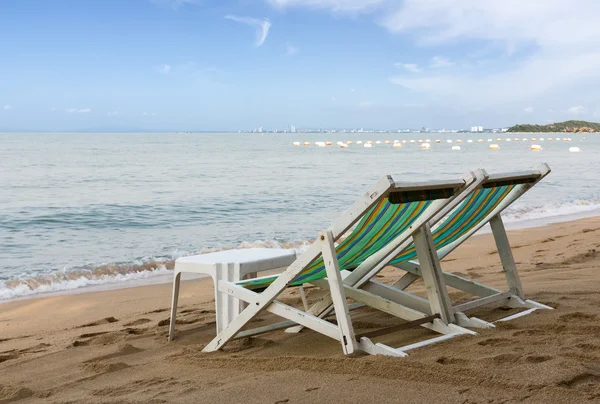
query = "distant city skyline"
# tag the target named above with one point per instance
(210, 65)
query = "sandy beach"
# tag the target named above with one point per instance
(112, 346)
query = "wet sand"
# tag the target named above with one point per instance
(111, 346)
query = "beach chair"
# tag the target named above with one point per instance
(482, 203)
(388, 215)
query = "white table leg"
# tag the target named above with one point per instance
(175, 298)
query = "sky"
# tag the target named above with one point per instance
(162, 65)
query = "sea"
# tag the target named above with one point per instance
(80, 211)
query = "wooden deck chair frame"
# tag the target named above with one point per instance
(438, 317)
(513, 297)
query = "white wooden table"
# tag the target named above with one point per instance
(229, 265)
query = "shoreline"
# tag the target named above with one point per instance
(166, 278)
(112, 345)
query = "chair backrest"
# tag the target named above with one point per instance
(382, 223)
(490, 198)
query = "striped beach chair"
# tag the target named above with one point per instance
(482, 203)
(389, 215)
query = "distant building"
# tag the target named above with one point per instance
(292, 129)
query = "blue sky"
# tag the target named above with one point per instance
(229, 65)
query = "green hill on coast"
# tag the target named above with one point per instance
(566, 126)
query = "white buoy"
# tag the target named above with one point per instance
(490, 140)
(425, 146)
(349, 142)
(420, 141)
(455, 147)
(541, 139)
(524, 139)
(574, 149)
(470, 141)
(437, 140)
(458, 140)
(536, 147)
(494, 146)
(359, 142)
(369, 142)
(296, 143)
(320, 144)
(498, 139)
(343, 146)
(367, 145)
(448, 141)
(378, 142)
(404, 142)
(557, 138)
(508, 139)
(479, 140)
(412, 141)
(387, 142)
(516, 139)
(397, 145)
(306, 143)
(328, 143)
(339, 142)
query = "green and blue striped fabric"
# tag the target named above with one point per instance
(385, 221)
(378, 227)
(475, 208)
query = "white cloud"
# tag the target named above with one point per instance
(529, 57)
(528, 110)
(261, 26)
(411, 67)
(78, 110)
(290, 50)
(365, 104)
(7, 107)
(352, 90)
(148, 113)
(113, 113)
(438, 62)
(577, 110)
(164, 69)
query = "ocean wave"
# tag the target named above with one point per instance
(550, 210)
(29, 284)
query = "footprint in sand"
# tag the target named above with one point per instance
(139, 321)
(8, 394)
(494, 342)
(106, 320)
(538, 358)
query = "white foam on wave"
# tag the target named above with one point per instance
(30, 284)
(550, 211)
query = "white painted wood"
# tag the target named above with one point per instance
(175, 298)
(432, 275)
(303, 297)
(282, 310)
(397, 295)
(498, 297)
(506, 257)
(452, 280)
(473, 322)
(369, 347)
(514, 316)
(406, 280)
(427, 342)
(338, 297)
